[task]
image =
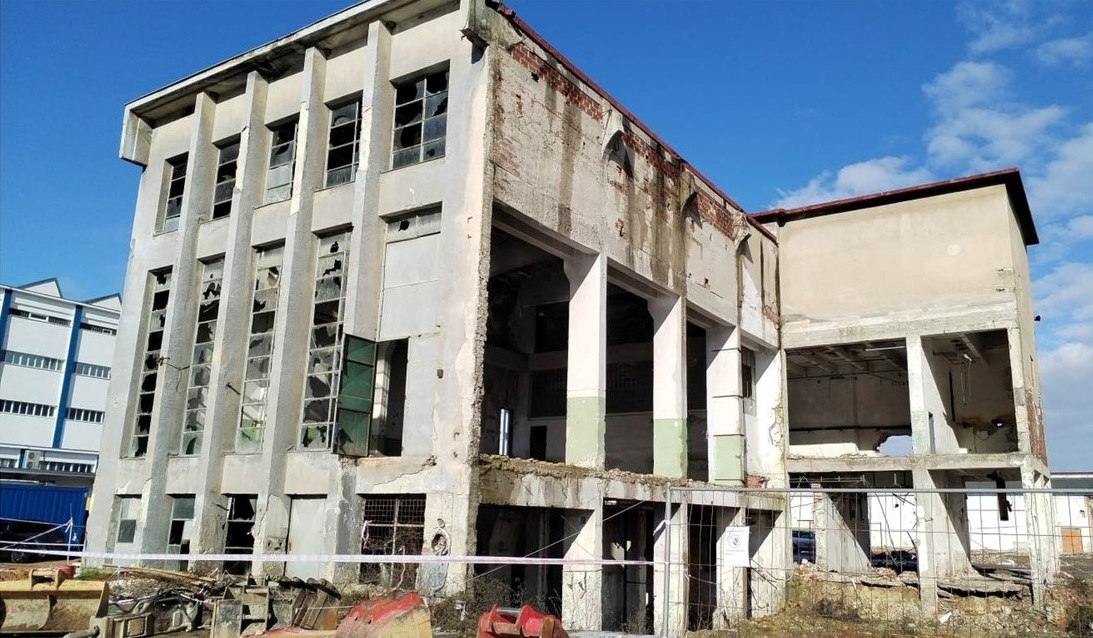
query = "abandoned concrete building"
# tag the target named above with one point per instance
(406, 282)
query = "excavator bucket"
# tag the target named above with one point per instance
(47, 603)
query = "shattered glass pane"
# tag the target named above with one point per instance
(140, 445)
(196, 398)
(201, 375)
(435, 127)
(147, 401)
(208, 310)
(330, 265)
(258, 368)
(343, 136)
(315, 437)
(205, 332)
(409, 91)
(191, 443)
(328, 289)
(408, 137)
(321, 361)
(344, 113)
(229, 153)
(319, 386)
(268, 278)
(325, 336)
(317, 411)
(265, 300)
(159, 300)
(260, 346)
(436, 105)
(262, 322)
(436, 82)
(151, 361)
(434, 149)
(203, 354)
(195, 421)
(148, 382)
(144, 424)
(326, 312)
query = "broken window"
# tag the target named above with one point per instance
(354, 407)
(263, 316)
(747, 376)
(239, 538)
(197, 396)
(182, 526)
(176, 186)
(149, 363)
(342, 147)
(421, 107)
(225, 179)
(393, 525)
(323, 357)
(128, 514)
(282, 161)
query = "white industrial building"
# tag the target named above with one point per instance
(55, 370)
(407, 281)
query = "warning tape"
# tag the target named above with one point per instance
(356, 558)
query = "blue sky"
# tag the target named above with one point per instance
(780, 103)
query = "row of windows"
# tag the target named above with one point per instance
(65, 466)
(28, 360)
(90, 327)
(81, 414)
(38, 316)
(91, 370)
(419, 133)
(29, 409)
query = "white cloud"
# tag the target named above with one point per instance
(998, 25)
(1076, 51)
(1066, 184)
(1064, 297)
(870, 176)
(978, 127)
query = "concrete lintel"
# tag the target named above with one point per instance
(880, 463)
(805, 333)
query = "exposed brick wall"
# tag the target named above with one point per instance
(654, 156)
(553, 78)
(1035, 425)
(713, 212)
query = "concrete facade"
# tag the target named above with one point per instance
(55, 366)
(500, 324)
(919, 327)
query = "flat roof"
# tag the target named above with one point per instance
(1008, 177)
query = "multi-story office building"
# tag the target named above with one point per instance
(406, 281)
(54, 375)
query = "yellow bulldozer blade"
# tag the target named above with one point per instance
(47, 603)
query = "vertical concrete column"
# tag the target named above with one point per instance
(582, 585)
(669, 386)
(462, 309)
(841, 522)
(586, 377)
(178, 335)
(942, 532)
(724, 406)
(291, 333)
(1042, 535)
(1017, 375)
(672, 545)
(732, 582)
(237, 289)
(364, 277)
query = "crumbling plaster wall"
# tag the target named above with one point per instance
(943, 262)
(563, 157)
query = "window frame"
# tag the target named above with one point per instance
(221, 205)
(400, 149)
(174, 176)
(291, 144)
(353, 144)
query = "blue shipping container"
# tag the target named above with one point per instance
(41, 502)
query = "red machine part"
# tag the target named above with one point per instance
(526, 622)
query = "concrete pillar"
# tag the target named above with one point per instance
(732, 583)
(582, 585)
(942, 536)
(179, 333)
(771, 558)
(1042, 535)
(669, 386)
(222, 412)
(841, 524)
(670, 546)
(291, 331)
(586, 377)
(724, 406)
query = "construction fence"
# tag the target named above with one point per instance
(806, 561)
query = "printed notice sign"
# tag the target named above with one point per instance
(736, 547)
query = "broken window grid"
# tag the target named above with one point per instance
(225, 180)
(323, 357)
(239, 534)
(175, 188)
(197, 394)
(256, 380)
(421, 119)
(393, 525)
(342, 148)
(181, 528)
(128, 515)
(149, 365)
(282, 162)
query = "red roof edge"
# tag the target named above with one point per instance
(1008, 177)
(508, 13)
